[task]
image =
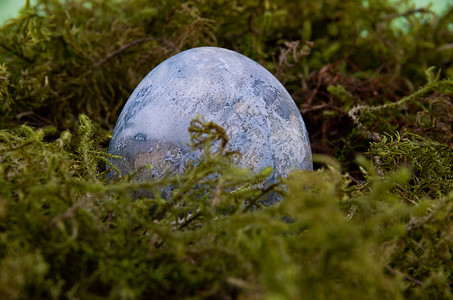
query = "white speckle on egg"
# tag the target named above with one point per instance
(258, 114)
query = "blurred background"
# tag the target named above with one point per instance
(9, 8)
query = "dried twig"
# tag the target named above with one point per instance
(16, 52)
(120, 50)
(39, 120)
(68, 214)
(407, 13)
(255, 199)
(322, 106)
(109, 56)
(407, 277)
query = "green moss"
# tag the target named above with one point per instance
(376, 226)
(66, 233)
(430, 163)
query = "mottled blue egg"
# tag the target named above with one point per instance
(258, 114)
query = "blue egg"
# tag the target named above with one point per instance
(258, 114)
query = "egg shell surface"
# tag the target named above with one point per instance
(258, 114)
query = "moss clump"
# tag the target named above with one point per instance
(376, 228)
(430, 163)
(87, 56)
(64, 233)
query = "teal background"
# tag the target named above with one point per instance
(10, 8)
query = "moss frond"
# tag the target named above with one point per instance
(430, 164)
